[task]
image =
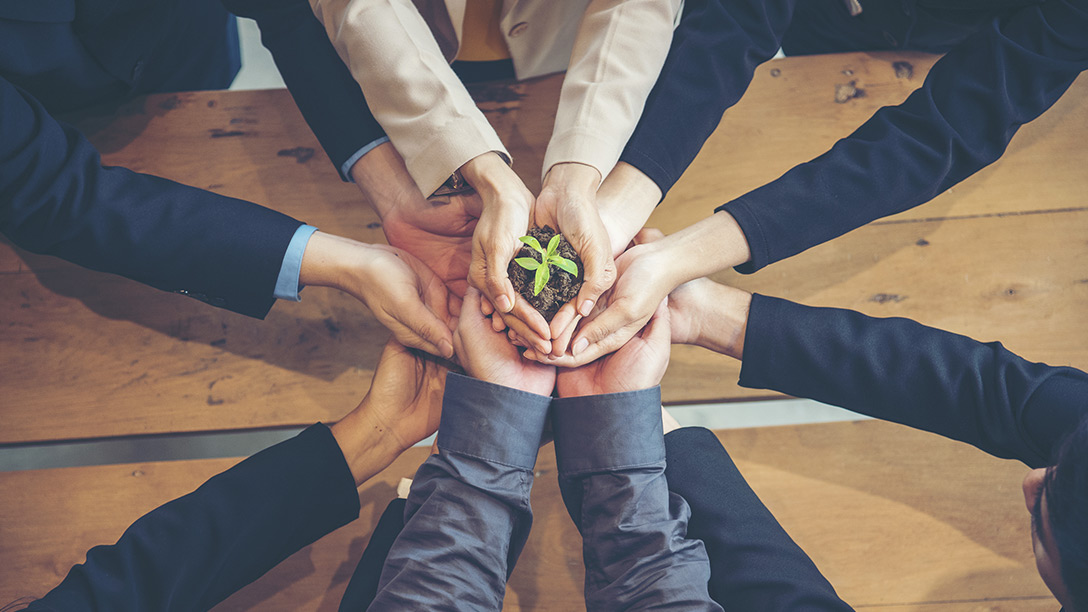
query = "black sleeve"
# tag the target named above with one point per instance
(901, 371)
(962, 118)
(754, 564)
(322, 86)
(57, 198)
(714, 53)
(193, 552)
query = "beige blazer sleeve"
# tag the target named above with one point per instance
(411, 89)
(618, 54)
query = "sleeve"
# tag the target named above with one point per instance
(57, 198)
(901, 371)
(193, 552)
(715, 51)
(411, 89)
(468, 514)
(961, 119)
(611, 458)
(617, 55)
(754, 564)
(328, 97)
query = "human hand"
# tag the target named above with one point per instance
(504, 218)
(638, 364)
(437, 230)
(625, 200)
(403, 406)
(567, 202)
(487, 355)
(403, 293)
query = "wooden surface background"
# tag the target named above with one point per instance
(1000, 256)
(896, 519)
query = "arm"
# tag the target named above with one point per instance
(193, 552)
(754, 564)
(56, 198)
(892, 369)
(611, 459)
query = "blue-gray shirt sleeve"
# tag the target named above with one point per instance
(468, 514)
(611, 456)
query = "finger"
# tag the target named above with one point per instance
(530, 324)
(454, 308)
(657, 332)
(516, 340)
(648, 234)
(423, 330)
(612, 328)
(531, 338)
(562, 343)
(561, 321)
(486, 308)
(496, 281)
(497, 324)
(600, 274)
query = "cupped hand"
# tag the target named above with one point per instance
(437, 231)
(405, 397)
(637, 365)
(486, 354)
(567, 202)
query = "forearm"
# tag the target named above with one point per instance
(412, 91)
(714, 53)
(961, 119)
(617, 55)
(193, 552)
(901, 371)
(625, 200)
(468, 515)
(611, 460)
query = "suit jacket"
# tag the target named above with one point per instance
(57, 198)
(612, 51)
(1013, 67)
(193, 552)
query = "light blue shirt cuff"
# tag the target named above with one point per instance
(345, 170)
(287, 283)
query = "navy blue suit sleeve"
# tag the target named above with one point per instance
(961, 119)
(901, 371)
(193, 552)
(57, 198)
(468, 515)
(754, 564)
(611, 458)
(322, 86)
(714, 53)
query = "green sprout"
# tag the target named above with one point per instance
(548, 258)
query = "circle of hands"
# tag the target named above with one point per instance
(615, 336)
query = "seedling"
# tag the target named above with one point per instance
(548, 257)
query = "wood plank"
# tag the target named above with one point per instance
(176, 365)
(895, 518)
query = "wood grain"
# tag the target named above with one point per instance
(85, 354)
(895, 518)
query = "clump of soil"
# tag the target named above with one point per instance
(562, 287)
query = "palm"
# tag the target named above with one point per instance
(406, 394)
(638, 365)
(488, 355)
(439, 233)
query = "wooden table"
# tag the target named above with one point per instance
(898, 520)
(87, 355)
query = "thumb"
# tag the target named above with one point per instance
(424, 330)
(599, 275)
(609, 330)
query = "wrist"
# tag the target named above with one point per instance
(487, 173)
(573, 179)
(368, 445)
(708, 246)
(333, 261)
(723, 321)
(383, 178)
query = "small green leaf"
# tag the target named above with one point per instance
(532, 242)
(553, 244)
(527, 262)
(542, 276)
(565, 264)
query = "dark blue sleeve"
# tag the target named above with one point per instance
(715, 51)
(57, 198)
(754, 564)
(901, 371)
(468, 514)
(611, 458)
(193, 552)
(322, 86)
(961, 119)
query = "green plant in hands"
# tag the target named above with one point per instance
(548, 257)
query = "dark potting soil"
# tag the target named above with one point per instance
(561, 288)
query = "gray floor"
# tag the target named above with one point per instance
(259, 72)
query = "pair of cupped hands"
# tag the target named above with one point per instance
(440, 246)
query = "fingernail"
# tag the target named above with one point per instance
(579, 346)
(587, 307)
(445, 348)
(503, 303)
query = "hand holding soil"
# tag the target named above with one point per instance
(544, 280)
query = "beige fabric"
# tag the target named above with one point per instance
(618, 49)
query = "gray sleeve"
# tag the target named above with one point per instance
(611, 456)
(467, 515)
